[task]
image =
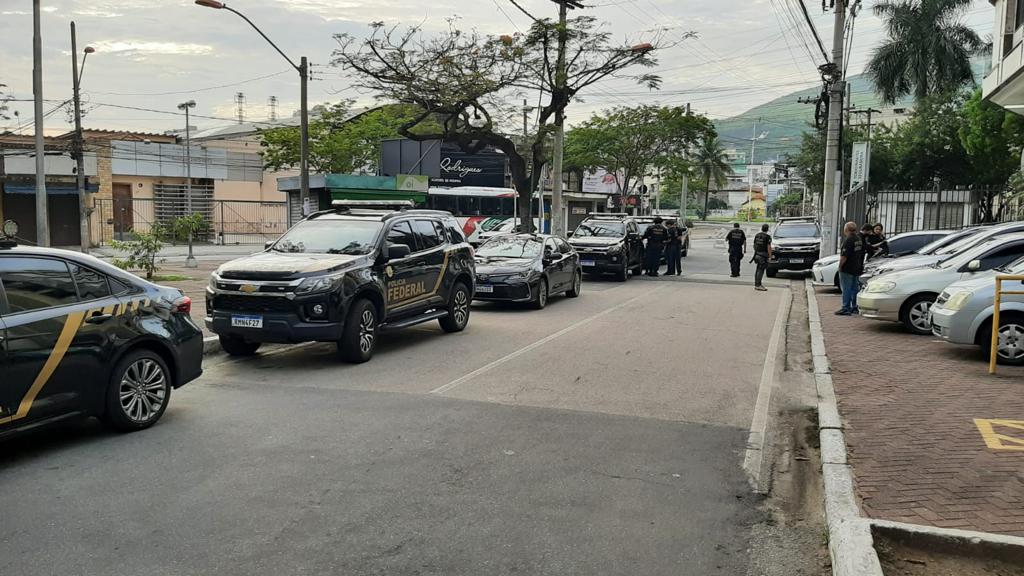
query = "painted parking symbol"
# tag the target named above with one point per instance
(1002, 434)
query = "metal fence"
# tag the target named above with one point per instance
(225, 221)
(908, 210)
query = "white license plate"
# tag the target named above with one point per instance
(247, 321)
(484, 289)
(796, 260)
(587, 263)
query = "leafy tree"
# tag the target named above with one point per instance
(713, 166)
(338, 143)
(993, 139)
(928, 49)
(141, 252)
(469, 81)
(629, 142)
(928, 145)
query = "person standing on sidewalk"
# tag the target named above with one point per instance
(762, 254)
(673, 250)
(737, 240)
(851, 266)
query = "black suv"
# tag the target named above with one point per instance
(80, 338)
(343, 275)
(609, 243)
(796, 244)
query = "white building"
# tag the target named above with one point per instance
(1004, 85)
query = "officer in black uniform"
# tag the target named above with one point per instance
(762, 253)
(737, 240)
(674, 248)
(656, 235)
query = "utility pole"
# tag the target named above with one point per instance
(79, 145)
(42, 221)
(557, 225)
(833, 140)
(190, 262)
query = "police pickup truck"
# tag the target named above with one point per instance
(344, 275)
(608, 242)
(796, 245)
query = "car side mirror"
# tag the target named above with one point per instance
(398, 251)
(569, 233)
(974, 265)
(268, 244)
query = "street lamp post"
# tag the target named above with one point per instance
(79, 146)
(190, 262)
(303, 69)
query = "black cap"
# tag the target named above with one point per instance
(735, 224)
(657, 219)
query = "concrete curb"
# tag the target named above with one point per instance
(211, 345)
(850, 543)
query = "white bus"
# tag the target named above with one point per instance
(478, 209)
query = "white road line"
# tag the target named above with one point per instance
(541, 342)
(754, 455)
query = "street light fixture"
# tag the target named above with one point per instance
(303, 69)
(190, 262)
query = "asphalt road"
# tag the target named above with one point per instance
(603, 435)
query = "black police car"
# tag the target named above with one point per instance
(609, 242)
(527, 268)
(343, 276)
(79, 337)
(796, 245)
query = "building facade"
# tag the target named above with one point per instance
(1004, 84)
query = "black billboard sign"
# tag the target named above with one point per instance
(457, 168)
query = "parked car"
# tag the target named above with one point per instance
(344, 275)
(609, 243)
(941, 250)
(796, 245)
(906, 296)
(963, 314)
(825, 272)
(527, 268)
(81, 338)
(643, 222)
(505, 227)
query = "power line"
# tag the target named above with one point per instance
(208, 88)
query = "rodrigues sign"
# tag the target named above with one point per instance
(457, 168)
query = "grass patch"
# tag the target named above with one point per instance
(170, 278)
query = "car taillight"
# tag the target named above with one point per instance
(182, 305)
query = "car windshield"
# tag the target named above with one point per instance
(965, 256)
(797, 231)
(934, 245)
(1016, 267)
(600, 229)
(511, 247)
(960, 245)
(330, 237)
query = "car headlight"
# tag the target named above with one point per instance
(957, 300)
(213, 281)
(519, 275)
(617, 249)
(880, 286)
(315, 284)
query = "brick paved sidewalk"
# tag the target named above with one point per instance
(909, 404)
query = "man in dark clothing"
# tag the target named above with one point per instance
(656, 235)
(867, 234)
(851, 266)
(762, 253)
(737, 248)
(674, 248)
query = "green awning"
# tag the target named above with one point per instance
(364, 194)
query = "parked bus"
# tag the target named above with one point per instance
(477, 208)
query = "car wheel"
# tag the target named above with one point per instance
(771, 272)
(1011, 339)
(359, 335)
(541, 299)
(138, 392)
(458, 310)
(915, 314)
(236, 346)
(577, 286)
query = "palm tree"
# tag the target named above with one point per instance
(712, 164)
(928, 50)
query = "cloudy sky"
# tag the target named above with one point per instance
(153, 54)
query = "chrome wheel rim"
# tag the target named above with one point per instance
(143, 390)
(460, 311)
(1011, 341)
(367, 328)
(919, 315)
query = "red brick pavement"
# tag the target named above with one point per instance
(909, 404)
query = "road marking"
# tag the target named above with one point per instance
(754, 455)
(539, 343)
(997, 441)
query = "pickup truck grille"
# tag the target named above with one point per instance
(229, 303)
